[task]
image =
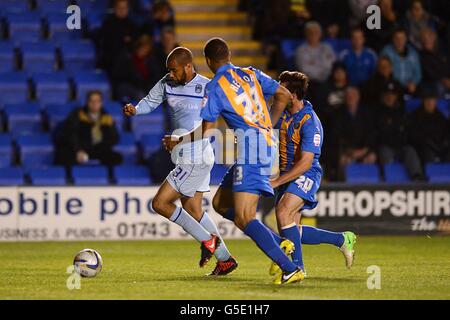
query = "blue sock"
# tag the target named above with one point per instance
(264, 240)
(311, 235)
(275, 235)
(229, 215)
(292, 233)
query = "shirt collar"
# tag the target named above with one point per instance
(224, 67)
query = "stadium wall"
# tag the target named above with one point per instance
(125, 213)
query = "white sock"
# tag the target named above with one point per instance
(221, 253)
(190, 225)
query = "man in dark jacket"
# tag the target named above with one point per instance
(392, 136)
(428, 130)
(89, 133)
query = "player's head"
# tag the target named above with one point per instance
(297, 83)
(216, 53)
(179, 63)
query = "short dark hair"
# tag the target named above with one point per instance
(296, 82)
(182, 55)
(93, 93)
(216, 49)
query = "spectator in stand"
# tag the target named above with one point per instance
(117, 33)
(358, 11)
(429, 131)
(331, 100)
(162, 16)
(435, 63)
(381, 79)
(392, 135)
(359, 61)
(355, 131)
(377, 38)
(89, 133)
(134, 74)
(332, 15)
(314, 57)
(416, 20)
(405, 61)
(168, 43)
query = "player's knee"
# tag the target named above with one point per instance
(158, 204)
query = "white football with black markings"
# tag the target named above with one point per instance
(88, 263)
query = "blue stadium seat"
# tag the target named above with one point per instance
(13, 88)
(115, 109)
(57, 27)
(438, 172)
(94, 20)
(288, 47)
(24, 26)
(52, 6)
(52, 88)
(12, 176)
(396, 173)
(444, 106)
(339, 45)
(78, 55)
(132, 175)
(127, 148)
(38, 57)
(90, 175)
(362, 173)
(217, 174)
(36, 151)
(14, 6)
(93, 5)
(412, 104)
(7, 56)
(23, 118)
(87, 81)
(150, 143)
(152, 123)
(6, 150)
(51, 176)
(56, 113)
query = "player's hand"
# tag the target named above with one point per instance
(274, 183)
(129, 110)
(170, 142)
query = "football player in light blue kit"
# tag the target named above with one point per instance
(183, 89)
(239, 95)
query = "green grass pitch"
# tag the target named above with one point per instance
(411, 268)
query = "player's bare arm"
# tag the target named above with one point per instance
(282, 98)
(299, 168)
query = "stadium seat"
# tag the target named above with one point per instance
(14, 6)
(412, 104)
(52, 6)
(51, 176)
(217, 174)
(93, 5)
(339, 45)
(12, 176)
(24, 26)
(132, 175)
(53, 88)
(288, 47)
(90, 175)
(127, 148)
(7, 56)
(362, 173)
(35, 150)
(94, 20)
(23, 118)
(13, 88)
(444, 106)
(57, 27)
(38, 57)
(78, 55)
(57, 113)
(87, 81)
(6, 150)
(396, 173)
(438, 172)
(148, 124)
(150, 143)
(115, 109)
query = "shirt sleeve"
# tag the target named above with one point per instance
(311, 137)
(212, 106)
(153, 100)
(269, 86)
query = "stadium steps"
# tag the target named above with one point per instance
(205, 5)
(239, 47)
(255, 61)
(210, 18)
(203, 33)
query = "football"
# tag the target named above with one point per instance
(88, 263)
